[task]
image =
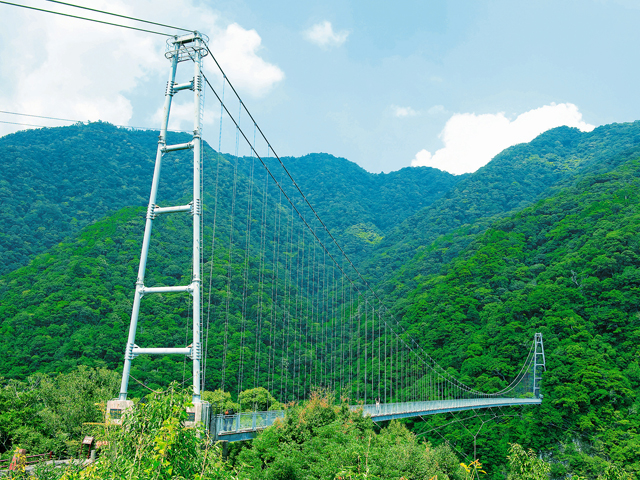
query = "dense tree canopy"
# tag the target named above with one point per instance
(543, 239)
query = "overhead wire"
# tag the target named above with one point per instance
(263, 228)
(240, 131)
(213, 243)
(38, 116)
(25, 124)
(245, 293)
(76, 121)
(120, 16)
(229, 269)
(85, 18)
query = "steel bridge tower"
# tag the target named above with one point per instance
(191, 47)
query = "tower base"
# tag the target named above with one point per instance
(199, 412)
(115, 410)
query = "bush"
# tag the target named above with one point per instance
(320, 440)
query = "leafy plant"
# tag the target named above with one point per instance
(153, 443)
(525, 465)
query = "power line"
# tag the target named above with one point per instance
(76, 121)
(38, 116)
(121, 16)
(87, 19)
(25, 124)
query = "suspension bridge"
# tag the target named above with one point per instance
(274, 300)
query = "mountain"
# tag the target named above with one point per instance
(71, 304)
(361, 208)
(514, 179)
(542, 239)
(568, 267)
(55, 181)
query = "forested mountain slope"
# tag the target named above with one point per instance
(71, 305)
(359, 207)
(568, 267)
(544, 238)
(55, 181)
(515, 178)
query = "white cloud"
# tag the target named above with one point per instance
(404, 111)
(67, 68)
(322, 34)
(236, 49)
(181, 117)
(437, 110)
(471, 141)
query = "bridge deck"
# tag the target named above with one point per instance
(245, 426)
(392, 411)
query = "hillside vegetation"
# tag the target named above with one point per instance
(543, 239)
(514, 179)
(55, 181)
(568, 267)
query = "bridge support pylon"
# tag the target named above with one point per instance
(191, 47)
(539, 364)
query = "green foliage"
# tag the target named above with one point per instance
(318, 440)
(71, 305)
(516, 178)
(56, 181)
(258, 400)
(360, 207)
(153, 443)
(46, 413)
(366, 232)
(525, 465)
(568, 267)
(220, 401)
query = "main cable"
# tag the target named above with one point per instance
(357, 272)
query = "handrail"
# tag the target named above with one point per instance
(49, 454)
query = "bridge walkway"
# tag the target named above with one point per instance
(246, 425)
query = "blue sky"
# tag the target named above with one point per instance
(383, 84)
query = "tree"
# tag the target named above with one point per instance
(219, 400)
(153, 443)
(258, 399)
(525, 465)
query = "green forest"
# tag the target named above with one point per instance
(545, 238)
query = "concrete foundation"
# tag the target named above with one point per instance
(115, 410)
(200, 412)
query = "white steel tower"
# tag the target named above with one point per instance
(189, 47)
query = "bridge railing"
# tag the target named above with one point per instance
(387, 409)
(244, 422)
(243, 426)
(252, 421)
